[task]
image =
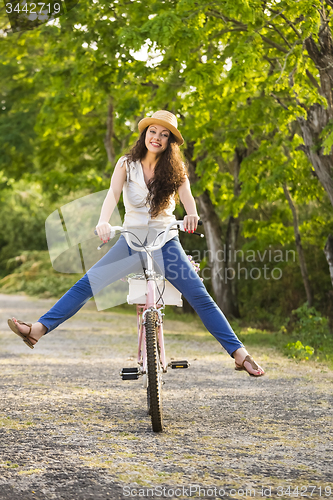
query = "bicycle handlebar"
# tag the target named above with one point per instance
(179, 223)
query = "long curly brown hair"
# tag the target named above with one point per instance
(169, 172)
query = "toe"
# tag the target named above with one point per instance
(249, 368)
(21, 328)
(254, 371)
(261, 369)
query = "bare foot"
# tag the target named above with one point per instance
(37, 330)
(239, 357)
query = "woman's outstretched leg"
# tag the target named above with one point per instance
(179, 271)
(118, 262)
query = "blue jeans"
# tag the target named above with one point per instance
(178, 271)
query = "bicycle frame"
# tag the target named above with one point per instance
(150, 303)
(151, 350)
(141, 312)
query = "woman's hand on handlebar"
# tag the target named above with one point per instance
(190, 223)
(105, 231)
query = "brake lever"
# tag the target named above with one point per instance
(181, 227)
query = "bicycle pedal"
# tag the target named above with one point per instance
(130, 373)
(179, 364)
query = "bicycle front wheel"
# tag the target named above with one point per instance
(154, 391)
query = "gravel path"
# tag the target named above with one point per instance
(70, 428)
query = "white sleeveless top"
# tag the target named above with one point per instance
(135, 193)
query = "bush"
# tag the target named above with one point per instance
(298, 351)
(33, 274)
(308, 328)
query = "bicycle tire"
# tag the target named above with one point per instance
(154, 373)
(148, 401)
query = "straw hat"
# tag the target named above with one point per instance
(162, 117)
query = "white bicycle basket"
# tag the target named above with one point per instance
(138, 291)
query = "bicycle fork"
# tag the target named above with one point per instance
(150, 306)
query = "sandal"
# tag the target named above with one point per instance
(24, 336)
(252, 363)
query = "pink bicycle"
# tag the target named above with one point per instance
(144, 291)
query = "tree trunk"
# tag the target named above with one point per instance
(231, 289)
(317, 116)
(109, 133)
(213, 231)
(328, 251)
(316, 120)
(299, 248)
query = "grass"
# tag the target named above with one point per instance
(9, 423)
(32, 273)
(255, 337)
(30, 471)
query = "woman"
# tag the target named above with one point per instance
(154, 174)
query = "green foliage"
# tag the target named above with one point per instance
(23, 213)
(309, 327)
(296, 350)
(32, 273)
(327, 136)
(238, 85)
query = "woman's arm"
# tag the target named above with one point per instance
(186, 197)
(117, 181)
